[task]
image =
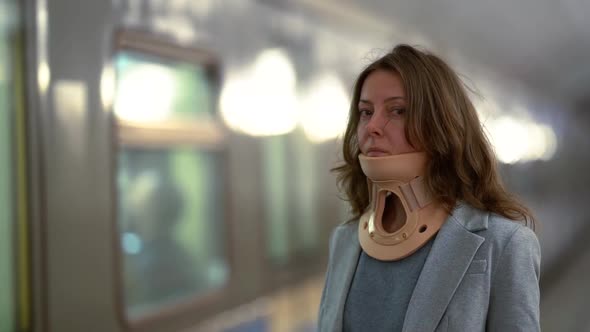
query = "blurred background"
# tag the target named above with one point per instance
(164, 164)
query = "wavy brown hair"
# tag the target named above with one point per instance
(440, 119)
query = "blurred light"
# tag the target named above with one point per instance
(43, 72)
(145, 93)
(518, 140)
(42, 16)
(217, 272)
(509, 139)
(131, 243)
(43, 77)
(107, 86)
(536, 137)
(324, 109)
(485, 108)
(261, 101)
(551, 142)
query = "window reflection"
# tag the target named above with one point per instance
(277, 207)
(292, 225)
(306, 232)
(169, 212)
(8, 256)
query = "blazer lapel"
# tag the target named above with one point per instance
(349, 249)
(450, 256)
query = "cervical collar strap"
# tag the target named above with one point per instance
(415, 194)
(400, 175)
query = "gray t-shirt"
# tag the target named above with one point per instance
(380, 292)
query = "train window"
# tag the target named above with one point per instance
(290, 190)
(7, 263)
(277, 206)
(170, 179)
(11, 258)
(306, 232)
(151, 88)
(172, 243)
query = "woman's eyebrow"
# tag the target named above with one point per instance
(387, 99)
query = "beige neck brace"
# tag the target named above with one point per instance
(400, 175)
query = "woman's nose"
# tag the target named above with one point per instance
(376, 124)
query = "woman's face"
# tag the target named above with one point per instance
(382, 115)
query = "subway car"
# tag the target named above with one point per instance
(166, 164)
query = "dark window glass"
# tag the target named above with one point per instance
(8, 16)
(169, 214)
(291, 189)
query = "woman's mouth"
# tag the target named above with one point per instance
(377, 153)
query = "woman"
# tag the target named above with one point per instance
(436, 244)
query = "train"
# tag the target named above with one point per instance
(166, 164)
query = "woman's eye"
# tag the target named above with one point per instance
(365, 113)
(397, 111)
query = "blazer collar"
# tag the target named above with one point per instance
(451, 254)
(469, 217)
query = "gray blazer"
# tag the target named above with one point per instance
(482, 274)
